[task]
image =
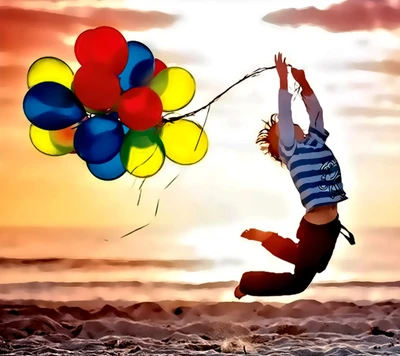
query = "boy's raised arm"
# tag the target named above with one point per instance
(285, 120)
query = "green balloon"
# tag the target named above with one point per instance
(143, 153)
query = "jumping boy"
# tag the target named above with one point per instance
(317, 177)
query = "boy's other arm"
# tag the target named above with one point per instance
(313, 106)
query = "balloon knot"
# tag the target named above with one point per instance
(160, 124)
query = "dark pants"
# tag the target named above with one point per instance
(310, 256)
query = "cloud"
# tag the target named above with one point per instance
(393, 99)
(181, 58)
(368, 112)
(24, 31)
(389, 67)
(347, 16)
(339, 87)
(63, 264)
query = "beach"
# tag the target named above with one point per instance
(150, 305)
(303, 327)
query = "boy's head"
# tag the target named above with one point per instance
(268, 138)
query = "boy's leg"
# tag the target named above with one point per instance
(316, 245)
(283, 248)
(315, 248)
(268, 284)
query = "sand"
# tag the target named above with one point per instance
(304, 327)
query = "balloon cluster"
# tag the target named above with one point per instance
(110, 112)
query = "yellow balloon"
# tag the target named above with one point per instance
(175, 86)
(50, 69)
(142, 153)
(181, 141)
(42, 141)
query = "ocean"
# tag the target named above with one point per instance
(81, 264)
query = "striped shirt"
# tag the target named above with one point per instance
(313, 167)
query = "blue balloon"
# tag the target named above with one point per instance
(52, 106)
(139, 70)
(98, 139)
(110, 170)
(113, 115)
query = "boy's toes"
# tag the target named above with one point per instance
(238, 293)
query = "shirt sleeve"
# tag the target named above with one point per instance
(285, 121)
(315, 113)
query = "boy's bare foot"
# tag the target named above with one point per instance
(256, 235)
(238, 293)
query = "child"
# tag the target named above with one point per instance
(316, 175)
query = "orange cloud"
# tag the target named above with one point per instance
(347, 16)
(24, 31)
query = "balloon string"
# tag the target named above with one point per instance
(140, 192)
(255, 73)
(155, 212)
(141, 164)
(141, 185)
(202, 128)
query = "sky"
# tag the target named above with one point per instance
(349, 50)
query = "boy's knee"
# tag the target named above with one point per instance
(252, 282)
(301, 282)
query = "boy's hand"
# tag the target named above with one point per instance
(256, 235)
(281, 68)
(299, 75)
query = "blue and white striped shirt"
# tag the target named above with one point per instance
(312, 165)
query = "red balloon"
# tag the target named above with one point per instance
(102, 45)
(140, 108)
(96, 87)
(159, 66)
(83, 45)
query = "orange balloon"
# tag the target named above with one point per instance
(63, 138)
